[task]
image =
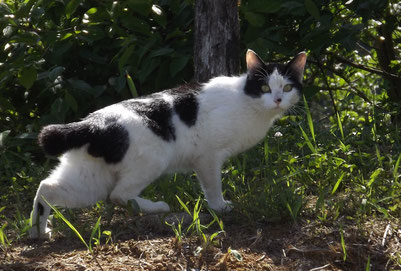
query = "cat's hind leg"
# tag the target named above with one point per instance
(132, 182)
(39, 215)
(74, 183)
(129, 189)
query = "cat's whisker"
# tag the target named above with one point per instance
(297, 110)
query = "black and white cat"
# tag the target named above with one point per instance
(117, 151)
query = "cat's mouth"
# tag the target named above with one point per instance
(279, 108)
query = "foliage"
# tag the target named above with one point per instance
(336, 158)
(349, 42)
(59, 55)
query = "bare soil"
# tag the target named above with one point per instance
(146, 243)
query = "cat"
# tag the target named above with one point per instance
(115, 152)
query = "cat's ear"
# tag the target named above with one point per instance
(297, 65)
(253, 61)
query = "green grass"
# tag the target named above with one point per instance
(317, 165)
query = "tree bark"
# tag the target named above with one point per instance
(216, 49)
(386, 53)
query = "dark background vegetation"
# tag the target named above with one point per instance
(60, 60)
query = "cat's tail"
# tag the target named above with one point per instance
(56, 139)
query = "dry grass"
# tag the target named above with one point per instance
(147, 245)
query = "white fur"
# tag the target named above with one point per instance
(228, 122)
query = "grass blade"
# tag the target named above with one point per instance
(131, 86)
(337, 183)
(309, 119)
(368, 264)
(95, 229)
(343, 243)
(397, 164)
(183, 205)
(308, 142)
(340, 126)
(374, 175)
(67, 222)
(266, 150)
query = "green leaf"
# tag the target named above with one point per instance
(71, 7)
(31, 38)
(136, 24)
(254, 19)
(27, 77)
(159, 16)
(395, 171)
(71, 102)
(131, 86)
(368, 264)
(91, 11)
(161, 52)
(343, 243)
(147, 68)
(263, 6)
(141, 7)
(3, 136)
(66, 36)
(95, 228)
(340, 126)
(80, 85)
(374, 175)
(307, 140)
(337, 184)
(310, 121)
(25, 8)
(183, 205)
(125, 56)
(56, 72)
(312, 9)
(178, 64)
(310, 91)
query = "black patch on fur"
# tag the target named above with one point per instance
(110, 140)
(157, 115)
(106, 137)
(56, 139)
(186, 104)
(186, 107)
(41, 209)
(256, 78)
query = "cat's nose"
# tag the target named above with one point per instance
(277, 101)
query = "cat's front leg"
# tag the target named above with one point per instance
(209, 175)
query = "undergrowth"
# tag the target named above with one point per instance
(314, 164)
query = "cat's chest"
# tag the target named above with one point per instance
(231, 126)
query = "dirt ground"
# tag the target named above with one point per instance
(146, 243)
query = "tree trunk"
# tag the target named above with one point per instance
(386, 53)
(216, 50)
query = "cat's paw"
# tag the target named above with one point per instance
(161, 207)
(223, 207)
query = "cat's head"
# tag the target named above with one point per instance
(278, 86)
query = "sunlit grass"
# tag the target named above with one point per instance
(306, 167)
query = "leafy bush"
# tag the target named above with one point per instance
(60, 55)
(60, 60)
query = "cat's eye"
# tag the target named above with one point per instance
(287, 88)
(266, 89)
